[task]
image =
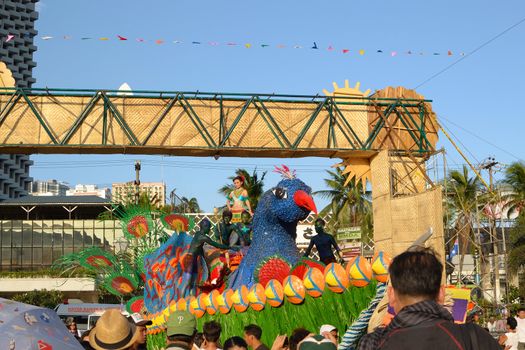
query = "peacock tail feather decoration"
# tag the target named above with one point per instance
(135, 304)
(121, 283)
(136, 222)
(96, 259)
(178, 223)
(285, 172)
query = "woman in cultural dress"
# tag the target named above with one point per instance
(238, 200)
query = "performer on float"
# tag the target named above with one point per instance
(195, 260)
(324, 242)
(225, 231)
(238, 200)
(245, 229)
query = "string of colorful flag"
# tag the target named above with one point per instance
(313, 46)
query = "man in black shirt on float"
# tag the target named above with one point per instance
(324, 243)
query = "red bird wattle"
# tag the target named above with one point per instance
(304, 200)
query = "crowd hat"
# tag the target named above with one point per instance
(113, 332)
(181, 323)
(317, 342)
(327, 328)
(138, 320)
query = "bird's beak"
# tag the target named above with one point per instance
(304, 200)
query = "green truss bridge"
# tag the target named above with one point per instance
(215, 124)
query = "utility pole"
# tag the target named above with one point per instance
(489, 164)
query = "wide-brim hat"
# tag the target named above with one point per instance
(113, 332)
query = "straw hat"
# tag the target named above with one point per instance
(113, 332)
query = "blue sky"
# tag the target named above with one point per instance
(479, 96)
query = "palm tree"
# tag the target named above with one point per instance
(514, 202)
(349, 204)
(192, 205)
(515, 178)
(462, 203)
(252, 184)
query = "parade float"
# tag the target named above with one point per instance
(272, 286)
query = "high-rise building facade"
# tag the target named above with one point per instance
(17, 19)
(127, 192)
(49, 188)
(17, 23)
(14, 175)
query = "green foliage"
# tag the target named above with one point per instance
(252, 184)
(187, 205)
(46, 273)
(43, 298)
(339, 310)
(350, 204)
(516, 295)
(515, 178)
(516, 254)
(463, 197)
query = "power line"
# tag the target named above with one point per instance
(481, 138)
(471, 53)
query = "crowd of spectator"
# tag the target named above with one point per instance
(415, 293)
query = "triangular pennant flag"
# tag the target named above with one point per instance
(346, 50)
(213, 43)
(379, 51)
(449, 53)
(315, 46)
(196, 42)
(177, 42)
(231, 44)
(47, 37)
(361, 52)
(436, 54)
(121, 38)
(9, 38)
(330, 48)
(247, 45)
(393, 53)
(159, 41)
(104, 39)
(264, 45)
(297, 47)
(281, 46)
(86, 38)
(409, 52)
(67, 37)
(140, 40)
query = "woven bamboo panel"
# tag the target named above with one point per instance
(397, 135)
(407, 177)
(399, 221)
(254, 129)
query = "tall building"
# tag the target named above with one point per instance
(89, 190)
(14, 175)
(126, 192)
(49, 188)
(17, 19)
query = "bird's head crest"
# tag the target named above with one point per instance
(285, 172)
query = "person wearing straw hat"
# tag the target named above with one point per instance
(113, 332)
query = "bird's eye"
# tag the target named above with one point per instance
(280, 193)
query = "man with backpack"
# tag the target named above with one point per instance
(421, 322)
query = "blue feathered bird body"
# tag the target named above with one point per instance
(274, 229)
